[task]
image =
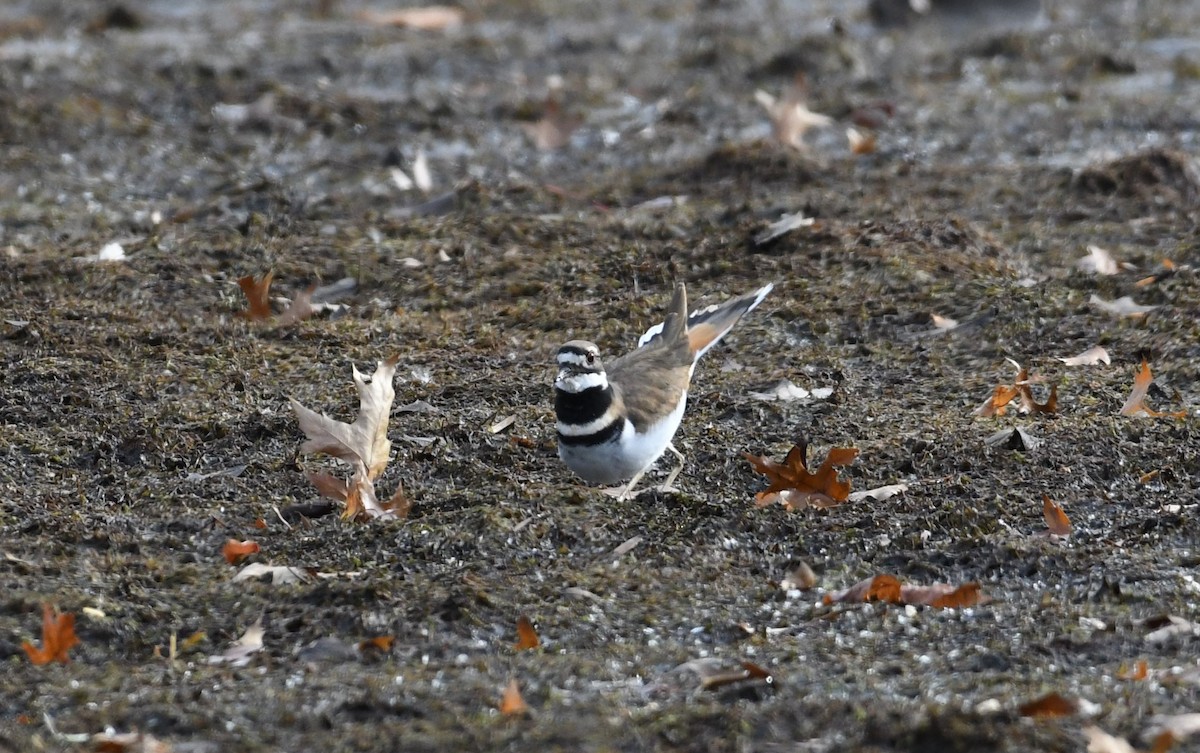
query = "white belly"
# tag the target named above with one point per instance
(629, 453)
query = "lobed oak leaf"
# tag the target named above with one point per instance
(1136, 402)
(1056, 520)
(1140, 671)
(527, 637)
(365, 441)
(511, 702)
(58, 637)
(258, 296)
(795, 487)
(235, 551)
(997, 403)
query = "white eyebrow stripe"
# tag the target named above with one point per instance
(574, 383)
(591, 427)
(569, 357)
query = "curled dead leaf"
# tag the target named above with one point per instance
(1056, 520)
(1135, 404)
(235, 551)
(511, 701)
(1049, 706)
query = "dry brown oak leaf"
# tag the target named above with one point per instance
(795, 487)
(363, 445)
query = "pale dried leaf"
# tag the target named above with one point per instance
(427, 18)
(1175, 627)
(784, 391)
(1123, 306)
(300, 309)
(1179, 726)
(422, 178)
(365, 441)
(240, 651)
(943, 323)
(280, 575)
(1100, 741)
(861, 142)
(785, 224)
(879, 493)
(1090, 357)
(1098, 261)
(791, 118)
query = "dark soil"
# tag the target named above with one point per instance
(1013, 146)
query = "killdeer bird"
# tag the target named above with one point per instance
(614, 422)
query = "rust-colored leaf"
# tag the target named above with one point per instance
(793, 486)
(527, 637)
(1140, 672)
(1056, 520)
(997, 403)
(1136, 402)
(260, 524)
(258, 296)
(235, 551)
(1049, 705)
(511, 702)
(879, 588)
(944, 595)
(58, 636)
(378, 643)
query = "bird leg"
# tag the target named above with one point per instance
(667, 485)
(626, 491)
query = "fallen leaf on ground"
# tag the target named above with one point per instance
(879, 588)
(240, 651)
(1123, 306)
(280, 575)
(794, 487)
(997, 403)
(879, 493)
(1098, 261)
(363, 445)
(1140, 672)
(511, 702)
(1136, 402)
(1100, 741)
(861, 142)
(802, 578)
(943, 323)
(1050, 705)
(943, 595)
(58, 637)
(790, 116)
(427, 18)
(258, 296)
(553, 131)
(1090, 357)
(783, 226)
(129, 742)
(1056, 520)
(382, 643)
(1167, 626)
(1178, 726)
(887, 588)
(527, 637)
(235, 551)
(300, 308)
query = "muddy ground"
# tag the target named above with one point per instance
(1013, 145)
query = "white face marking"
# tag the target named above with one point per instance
(568, 381)
(573, 359)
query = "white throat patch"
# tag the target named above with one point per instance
(575, 383)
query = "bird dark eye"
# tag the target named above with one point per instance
(591, 357)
